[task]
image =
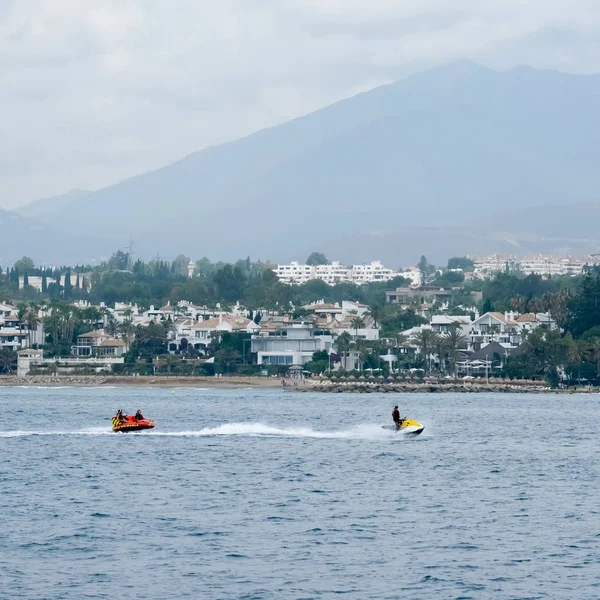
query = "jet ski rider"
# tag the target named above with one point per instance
(396, 417)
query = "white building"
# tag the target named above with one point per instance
(339, 319)
(372, 272)
(335, 272)
(100, 344)
(34, 359)
(199, 334)
(15, 334)
(548, 265)
(413, 274)
(507, 329)
(294, 344)
(295, 273)
(539, 264)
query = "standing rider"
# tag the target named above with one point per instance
(396, 417)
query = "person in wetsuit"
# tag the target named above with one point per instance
(396, 417)
(139, 416)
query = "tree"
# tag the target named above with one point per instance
(376, 311)
(426, 340)
(118, 261)
(461, 262)
(24, 265)
(576, 353)
(425, 269)
(67, 287)
(593, 352)
(357, 323)
(454, 341)
(180, 265)
(319, 363)
(342, 343)
(317, 258)
(8, 360)
(32, 319)
(226, 357)
(204, 267)
(585, 307)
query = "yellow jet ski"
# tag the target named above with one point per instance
(407, 426)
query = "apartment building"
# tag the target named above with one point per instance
(335, 272)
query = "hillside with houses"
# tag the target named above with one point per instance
(448, 324)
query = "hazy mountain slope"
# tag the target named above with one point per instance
(26, 237)
(454, 145)
(39, 208)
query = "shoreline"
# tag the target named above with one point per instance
(327, 387)
(141, 381)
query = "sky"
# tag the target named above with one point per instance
(96, 91)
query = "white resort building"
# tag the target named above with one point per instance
(539, 264)
(335, 272)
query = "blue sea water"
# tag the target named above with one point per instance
(262, 494)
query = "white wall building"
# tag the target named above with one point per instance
(413, 274)
(294, 344)
(334, 272)
(539, 264)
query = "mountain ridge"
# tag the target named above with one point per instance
(436, 148)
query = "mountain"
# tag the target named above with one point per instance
(20, 237)
(45, 206)
(444, 159)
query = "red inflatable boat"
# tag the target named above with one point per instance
(130, 423)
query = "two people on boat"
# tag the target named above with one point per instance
(122, 418)
(396, 417)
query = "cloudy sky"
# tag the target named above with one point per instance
(94, 91)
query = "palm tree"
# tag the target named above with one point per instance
(440, 351)
(32, 319)
(357, 323)
(575, 353)
(375, 312)
(593, 351)
(426, 340)
(111, 325)
(342, 343)
(52, 323)
(518, 303)
(362, 349)
(454, 340)
(395, 344)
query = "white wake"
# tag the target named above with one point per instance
(25, 433)
(362, 431)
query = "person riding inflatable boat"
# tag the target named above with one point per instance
(123, 423)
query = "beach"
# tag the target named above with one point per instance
(231, 382)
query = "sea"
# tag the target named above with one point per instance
(256, 494)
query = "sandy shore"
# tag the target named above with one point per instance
(166, 382)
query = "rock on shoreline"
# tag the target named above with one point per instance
(436, 388)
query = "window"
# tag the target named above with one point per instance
(277, 360)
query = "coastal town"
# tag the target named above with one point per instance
(417, 322)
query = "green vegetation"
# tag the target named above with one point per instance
(572, 352)
(460, 262)
(317, 258)
(253, 284)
